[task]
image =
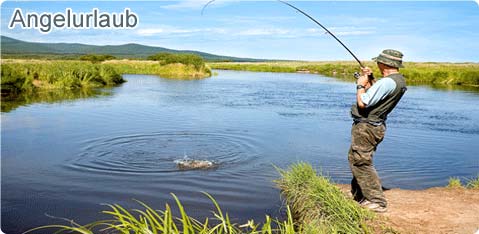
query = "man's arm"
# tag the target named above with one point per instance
(364, 81)
(373, 91)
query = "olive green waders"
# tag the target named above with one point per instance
(366, 183)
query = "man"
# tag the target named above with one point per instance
(375, 100)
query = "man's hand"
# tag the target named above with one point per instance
(364, 81)
(364, 78)
(366, 71)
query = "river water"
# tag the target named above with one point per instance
(66, 159)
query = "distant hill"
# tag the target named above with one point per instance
(11, 47)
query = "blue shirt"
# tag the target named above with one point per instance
(380, 90)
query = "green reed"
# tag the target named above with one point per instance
(150, 221)
(318, 205)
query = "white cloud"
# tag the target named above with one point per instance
(169, 30)
(252, 32)
(263, 32)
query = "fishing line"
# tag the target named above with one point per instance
(311, 18)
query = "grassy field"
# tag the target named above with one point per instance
(466, 74)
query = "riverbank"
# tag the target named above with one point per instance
(316, 201)
(28, 81)
(433, 210)
(464, 74)
(314, 205)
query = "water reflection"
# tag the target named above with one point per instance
(12, 101)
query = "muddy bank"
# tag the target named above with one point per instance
(434, 210)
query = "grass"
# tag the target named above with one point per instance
(318, 205)
(473, 183)
(26, 75)
(454, 183)
(172, 70)
(466, 74)
(150, 221)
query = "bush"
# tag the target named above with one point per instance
(187, 59)
(97, 58)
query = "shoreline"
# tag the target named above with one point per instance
(427, 73)
(431, 210)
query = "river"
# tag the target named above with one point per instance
(67, 158)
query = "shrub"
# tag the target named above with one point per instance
(97, 58)
(187, 59)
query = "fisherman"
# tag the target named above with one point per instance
(374, 101)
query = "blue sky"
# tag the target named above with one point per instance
(424, 31)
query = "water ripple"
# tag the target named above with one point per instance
(157, 152)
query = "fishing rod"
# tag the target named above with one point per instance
(329, 32)
(315, 21)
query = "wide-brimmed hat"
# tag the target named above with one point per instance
(390, 57)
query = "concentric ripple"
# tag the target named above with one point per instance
(157, 152)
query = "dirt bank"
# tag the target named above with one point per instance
(434, 210)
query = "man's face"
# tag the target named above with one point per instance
(381, 66)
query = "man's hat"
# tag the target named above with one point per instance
(391, 58)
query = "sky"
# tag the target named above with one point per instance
(424, 31)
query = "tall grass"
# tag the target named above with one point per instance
(415, 73)
(19, 76)
(318, 205)
(150, 221)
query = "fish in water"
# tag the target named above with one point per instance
(192, 164)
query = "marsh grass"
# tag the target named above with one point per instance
(318, 205)
(454, 183)
(416, 73)
(26, 75)
(150, 221)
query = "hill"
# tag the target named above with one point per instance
(13, 48)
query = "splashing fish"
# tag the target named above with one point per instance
(192, 164)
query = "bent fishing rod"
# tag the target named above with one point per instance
(329, 32)
(318, 23)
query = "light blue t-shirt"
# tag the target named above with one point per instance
(380, 90)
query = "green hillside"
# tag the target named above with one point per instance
(13, 48)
